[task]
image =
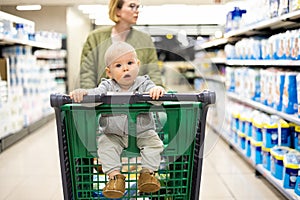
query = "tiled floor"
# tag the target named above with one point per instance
(29, 170)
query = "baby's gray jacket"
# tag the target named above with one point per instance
(118, 123)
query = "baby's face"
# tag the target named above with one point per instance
(124, 70)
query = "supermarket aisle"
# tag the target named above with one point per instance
(30, 170)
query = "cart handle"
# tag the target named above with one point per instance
(206, 96)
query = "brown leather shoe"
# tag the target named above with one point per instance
(148, 182)
(115, 188)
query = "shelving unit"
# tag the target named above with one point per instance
(56, 61)
(19, 84)
(267, 109)
(288, 193)
(277, 63)
(11, 41)
(263, 28)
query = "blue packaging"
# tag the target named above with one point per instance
(242, 140)
(297, 138)
(235, 136)
(284, 133)
(280, 77)
(235, 121)
(270, 135)
(248, 127)
(292, 133)
(266, 158)
(233, 19)
(277, 154)
(256, 155)
(257, 131)
(291, 162)
(242, 123)
(255, 89)
(248, 147)
(289, 98)
(230, 79)
(297, 186)
(276, 135)
(264, 89)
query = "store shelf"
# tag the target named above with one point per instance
(10, 41)
(287, 21)
(278, 184)
(216, 78)
(218, 61)
(240, 62)
(290, 20)
(15, 137)
(264, 108)
(263, 62)
(288, 193)
(212, 43)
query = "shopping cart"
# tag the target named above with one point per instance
(180, 122)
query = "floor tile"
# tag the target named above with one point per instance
(247, 186)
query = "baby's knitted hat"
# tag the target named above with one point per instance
(116, 50)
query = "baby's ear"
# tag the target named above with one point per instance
(108, 72)
(138, 62)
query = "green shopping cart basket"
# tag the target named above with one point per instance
(180, 122)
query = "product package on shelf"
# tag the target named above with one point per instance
(277, 154)
(266, 158)
(291, 163)
(276, 131)
(289, 99)
(296, 137)
(297, 186)
(256, 151)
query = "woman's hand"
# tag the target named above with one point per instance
(156, 92)
(77, 95)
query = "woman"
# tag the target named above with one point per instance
(125, 14)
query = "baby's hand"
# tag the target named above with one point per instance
(77, 95)
(156, 92)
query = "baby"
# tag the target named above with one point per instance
(122, 68)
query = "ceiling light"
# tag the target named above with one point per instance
(29, 7)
